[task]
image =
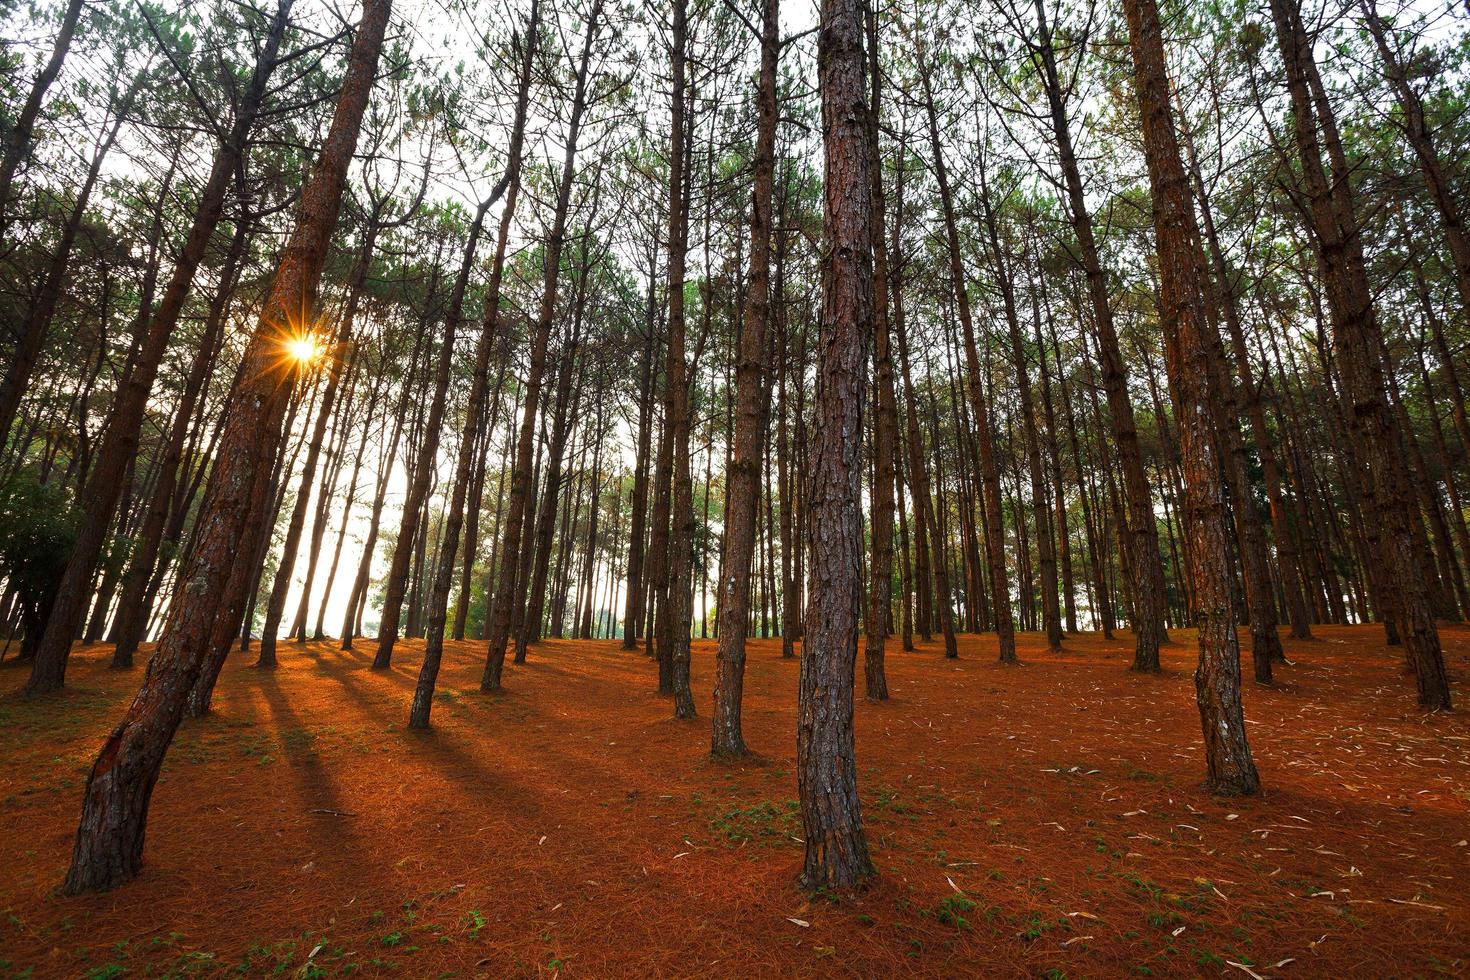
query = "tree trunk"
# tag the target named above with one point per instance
(511, 551)
(1051, 615)
(637, 533)
(679, 596)
(422, 472)
(120, 444)
(1188, 352)
(285, 569)
(1356, 340)
(109, 843)
(752, 395)
(1149, 599)
(135, 601)
(989, 471)
(836, 847)
(885, 424)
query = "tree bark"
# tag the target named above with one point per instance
(511, 550)
(1188, 352)
(752, 391)
(836, 847)
(1149, 599)
(1356, 339)
(109, 843)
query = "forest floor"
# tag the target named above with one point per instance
(1043, 820)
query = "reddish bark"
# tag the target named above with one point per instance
(109, 842)
(1189, 352)
(836, 847)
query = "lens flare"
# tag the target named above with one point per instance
(303, 349)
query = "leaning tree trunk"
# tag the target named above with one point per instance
(1140, 536)
(1188, 353)
(396, 584)
(120, 444)
(423, 697)
(135, 604)
(109, 843)
(1356, 340)
(520, 492)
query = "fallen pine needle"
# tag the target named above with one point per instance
(1419, 905)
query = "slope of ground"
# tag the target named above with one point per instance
(1044, 820)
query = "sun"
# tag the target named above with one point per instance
(303, 349)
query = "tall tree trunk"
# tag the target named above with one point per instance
(357, 598)
(1149, 598)
(512, 553)
(1051, 614)
(544, 529)
(679, 594)
(1005, 629)
(752, 395)
(1054, 470)
(120, 444)
(1250, 397)
(928, 544)
(1356, 339)
(135, 602)
(836, 847)
(422, 472)
(423, 696)
(109, 843)
(1188, 353)
(296, 523)
(885, 424)
(637, 533)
